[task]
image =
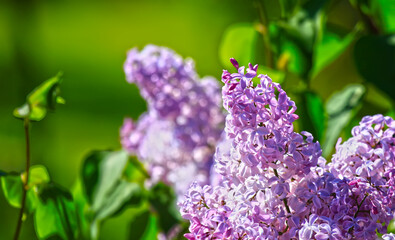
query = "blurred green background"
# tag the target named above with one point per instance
(88, 40)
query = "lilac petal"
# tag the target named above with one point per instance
(234, 63)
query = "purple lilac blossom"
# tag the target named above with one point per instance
(366, 162)
(176, 137)
(276, 185)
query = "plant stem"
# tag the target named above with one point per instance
(359, 205)
(25, 183)
(285, 201)
(368, 21)
(265, 33)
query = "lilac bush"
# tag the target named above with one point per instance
(176, 137)
(276, 185)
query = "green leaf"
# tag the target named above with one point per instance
(238, 42)
(306, 25)
(375, 60)
(55, 216)
(315, 110)
(144, 227)
(135, 171)
(391, 113)
(391, 227)
(12, 187)
(341, 108)
(38, 175)
(53, 207)
(331, 46)
(288, 7)
(290, 49)
(387, 16)
(299, 60)
(106, 187)
(296, 37)
(163, 199)
(116, 199)
(379, 12)
(40, 100)
(276, 76)
(81, 207)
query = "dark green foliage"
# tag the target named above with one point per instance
(163, 200)
(314, 114)
(143, 226)
(288, 7)
(375, 59)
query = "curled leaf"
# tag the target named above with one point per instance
(40, 100)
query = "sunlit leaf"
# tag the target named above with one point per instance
(163, 200)
(12, 187)
(238, 42)
(40, 100)
(391, 227)
(341, 108)
(331, 46)
(38, 175)
(135, 171)
(276, 76)
(375, 60)
(55, 215)
(391, 113)
(387, 16)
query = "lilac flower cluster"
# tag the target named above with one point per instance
(176, 137)
(275, 183)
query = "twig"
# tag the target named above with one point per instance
(265, 33)
(26, 182)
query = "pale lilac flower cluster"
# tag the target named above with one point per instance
(276, 185)
(389, 236)
(176, 137)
